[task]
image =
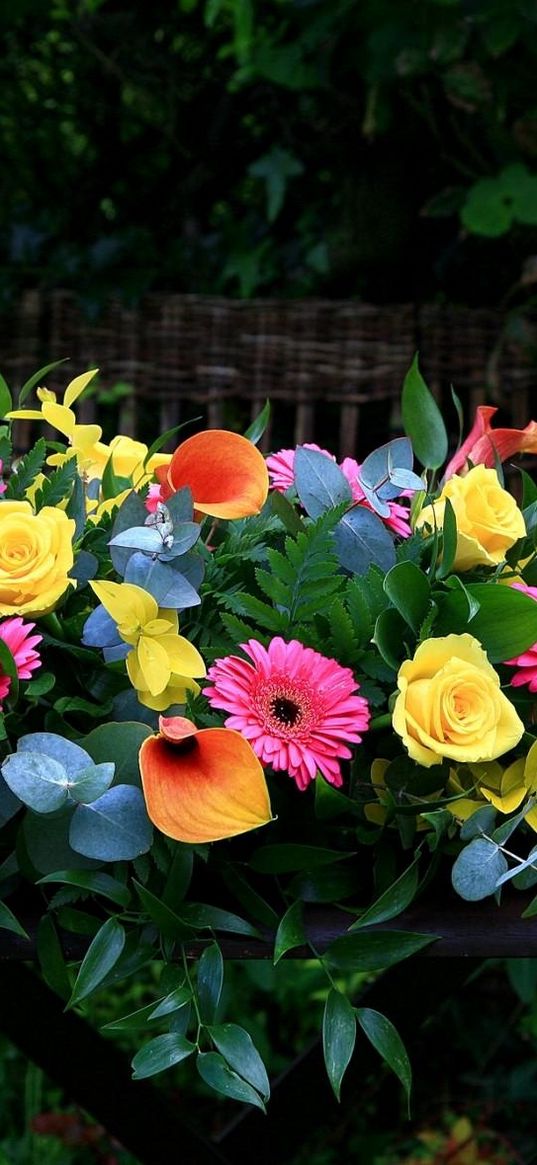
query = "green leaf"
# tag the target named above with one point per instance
(375, 950)
(51, 958)
(394, 900)
(388, 1043)
(169, 924)
(6, 401)
(290, 932)
(200, 916)
(93, 881)
(131, 1022)
(238, 1049)
(102, 954)
(161, 1053)
(422, 420)
(36, 378)
(482, 821)
(9, 668)
(172, 1002)
(505, 624)
(9, 922)
(38, 780)
(408, 589)
(477, 869)
(285, 859)
(113, 828)
(449, 541)
(210, 982)
(339, 1037)
(58, 485)
(120, 742)
(214, 1070)
(255, 431)
(275, 169)
(28, 468)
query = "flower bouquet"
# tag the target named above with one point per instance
(233, 687)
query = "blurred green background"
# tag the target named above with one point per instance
(381, 149)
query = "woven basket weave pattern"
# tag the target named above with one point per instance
(333, 370)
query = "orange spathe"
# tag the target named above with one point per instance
(225, 472)
(204, 785)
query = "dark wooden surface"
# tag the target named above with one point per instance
(461, 929)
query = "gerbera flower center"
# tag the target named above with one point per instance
(286, 706)
(286, 711)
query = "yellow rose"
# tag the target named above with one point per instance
(489, 521)
(36, 555)
(450, 704)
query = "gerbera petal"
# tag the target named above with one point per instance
(203, 788)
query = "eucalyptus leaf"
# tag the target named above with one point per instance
(113, 828)
(40, 782)
(477, 870)
(320, 483)
(361, 540)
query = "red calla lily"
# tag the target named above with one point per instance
(226, 473)
(202, 785)
(485, 445)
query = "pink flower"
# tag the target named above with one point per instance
(16, 636)
(153, 498)
(527, 661)
(485, 445)
(3, 485)
(281, 466)
(295, 706)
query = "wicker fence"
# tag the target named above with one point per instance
(333, 370)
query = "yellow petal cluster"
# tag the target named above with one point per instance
(488, 519)
(505, 788)
(36, 555)
(163, 664)
(450, 704)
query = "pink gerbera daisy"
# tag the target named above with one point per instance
(527, 661)
(295, 706)
(16, 635)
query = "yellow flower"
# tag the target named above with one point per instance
(505, 789)
(163, 664)
(489, 521)
(36, 555)
(450, 704)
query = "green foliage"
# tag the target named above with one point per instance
(324, 109)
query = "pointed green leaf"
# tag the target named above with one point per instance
(339, 1036)
(102, 954)
(395, 899)
(422, 420)
(161, 1053)
(210, 982)
(214, 1070)
(236, 1046)
(290, 932)
(388, 1043)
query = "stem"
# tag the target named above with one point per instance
(194, 999)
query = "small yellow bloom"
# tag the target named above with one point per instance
(36, 555)
(450, 704)
(163, 665)
(488, 519)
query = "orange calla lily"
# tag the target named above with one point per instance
(202, 785)
(485, 445)
(226, 473)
